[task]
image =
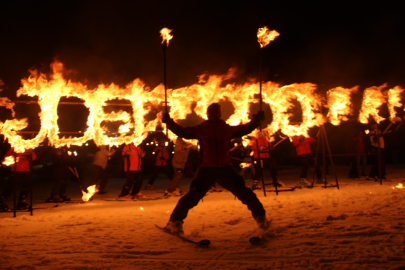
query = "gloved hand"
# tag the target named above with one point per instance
(259, 116)
(166, 118)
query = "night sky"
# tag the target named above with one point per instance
(118, 41)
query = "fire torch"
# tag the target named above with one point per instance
(166, 37)
(264, 36)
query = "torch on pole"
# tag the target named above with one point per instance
(166, 37)
(264, 36)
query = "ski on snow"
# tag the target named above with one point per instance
(204, 242)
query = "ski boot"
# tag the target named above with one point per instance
(175, 227)
(262, 222)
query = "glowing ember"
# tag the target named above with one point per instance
(265, 35)
(91, 190)
(165, 34)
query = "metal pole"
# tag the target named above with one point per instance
(323, 153)
(15, 183)
(316, 155)
(164, 47)
(31, 209)
(261, 167)
(330, 156)
(379, 154)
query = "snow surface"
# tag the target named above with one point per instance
(359, 226)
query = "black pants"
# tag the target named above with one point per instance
(132, 177)
(228, 178)
(165, 169)
(24, 179)
(61, 176)
(307, 161)
(374, 171)
(92, 175)
(266, 163)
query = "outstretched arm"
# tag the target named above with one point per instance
(186, 133)
(245, 129)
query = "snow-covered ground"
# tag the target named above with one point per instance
(359, 226)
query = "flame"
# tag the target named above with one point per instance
(399, 186)
(373, 98)
(8, 161)
(338, 100)
(165, 34)
(265, 35)
(394, 100)
(182, 101)
(245, 165)
(91, 190)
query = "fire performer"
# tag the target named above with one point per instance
(21, 172)
(132, 161)
(162, 156)
(181, 151)
(303, 147)
(96, 170)
(215, 135)
(265, 160)
(61, 171)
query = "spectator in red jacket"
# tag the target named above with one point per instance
(303, 147)
(214, 136)
(265, 160)
(21, 172)
(162, 156)
(132, 164)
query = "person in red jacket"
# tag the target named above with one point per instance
(22, 174)
(265, 158)
(303, 147)
(132, 163)
(162, 156)
(214, 136)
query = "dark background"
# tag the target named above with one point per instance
(330, 44)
